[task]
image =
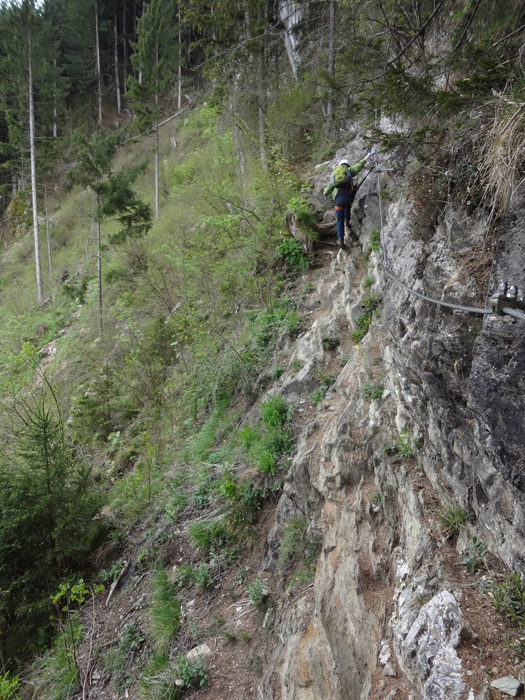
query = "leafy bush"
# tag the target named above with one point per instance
(192, 673)
(291, 251)
(317, 396)
(274, 412)
(8, 686)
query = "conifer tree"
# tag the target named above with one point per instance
(47, 503)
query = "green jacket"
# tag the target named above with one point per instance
(354, 169)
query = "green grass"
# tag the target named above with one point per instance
(164, 612)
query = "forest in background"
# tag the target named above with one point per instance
(149, 154)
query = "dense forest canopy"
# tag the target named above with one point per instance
(164, 299)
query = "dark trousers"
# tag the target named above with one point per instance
(342, 214)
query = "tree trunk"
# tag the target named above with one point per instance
(40, 291)
(331, 56)
(99, 266)
(99, 68)
(157, 139)
(179, 91)
(115, 58)
(47, 234)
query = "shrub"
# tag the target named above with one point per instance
(274, 412)
(291, 251)
(192, 672)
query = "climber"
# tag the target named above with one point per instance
(343, 191)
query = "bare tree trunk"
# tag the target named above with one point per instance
(179, 92)
(55, 111)
(115, 58)
(99, 266)
(47, 234)
(125, 49)
(99, 67)
(40, 290)
(331, 55)
(157, 138)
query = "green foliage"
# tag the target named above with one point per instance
(203, 578)
(48, 501)
(54, 676)
(274, 412)
(8, 686)
(403, 448)
(258, 593)
(365, 319)
(318, 395)
(117, 661)
(295, 549)
(508, 597)
(301, 210)
(291, 251)
(209, 535)
(107, 577)
(378, 500)
(192, 672)
(266, 444)
(474, 555)
(452, 516)
(372, 392)
(164, 612)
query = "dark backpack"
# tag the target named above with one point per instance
(342, 177)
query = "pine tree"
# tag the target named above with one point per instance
(47, 503)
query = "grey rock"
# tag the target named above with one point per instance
(508, 685)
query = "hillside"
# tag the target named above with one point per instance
(238, 460)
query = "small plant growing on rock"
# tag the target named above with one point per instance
(330, 343)
(452, 516)
(192, 672)
(474, 555)
(508, 597)
(258, 593)
(375, 240)
(372, 392)
(403, 448)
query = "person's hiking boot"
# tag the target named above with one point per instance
(340, 243)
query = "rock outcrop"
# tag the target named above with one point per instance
(384, 618)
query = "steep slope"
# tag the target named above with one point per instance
(394, 613)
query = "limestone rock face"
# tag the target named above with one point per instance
(384, 617)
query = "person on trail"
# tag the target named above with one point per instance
(343, 191)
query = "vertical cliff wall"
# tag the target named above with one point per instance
(393, 612)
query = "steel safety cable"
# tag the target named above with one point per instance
(439, 302)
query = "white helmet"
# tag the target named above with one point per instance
(343, 161)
